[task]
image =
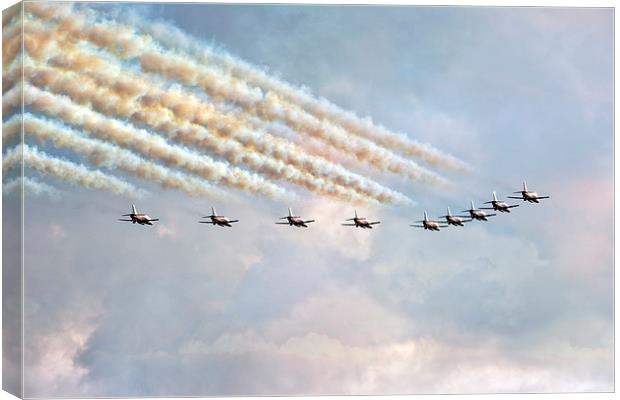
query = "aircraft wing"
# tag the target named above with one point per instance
(487, 208)
(154, 219)
(127, 220)
(281, 223)
(308, 221)
(490, 215)
(374, 223)
(514, 197)
(417, 226)
(542, 197)
(205, 222)
(233, 221)
(347, 224)
(514, 205)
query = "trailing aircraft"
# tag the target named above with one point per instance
(478, 214)
(527, 195)
(430, 225)
(138, 218)
(455, 220)
(218, 220)
(294, 220)
(361, 222)
(498, 205)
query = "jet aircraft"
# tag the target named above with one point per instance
(138, 218)
(498, 205)
(476, 213)
(527, 195)
(294, 220)
(361, 222)
(218, 220)
(454, 219)
(430, 225)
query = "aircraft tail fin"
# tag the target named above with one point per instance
(213, 211)
(494, 196)
(133, 209)
(290, 212)
(355, 213)
(449, 212)
(472, 205)
(425, 216)
(524, 186)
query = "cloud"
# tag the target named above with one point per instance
(514, 305)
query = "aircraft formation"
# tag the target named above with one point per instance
(361, 222)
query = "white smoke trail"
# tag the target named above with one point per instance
(103, 154)
(124, 42)
(31, 186)
(234, 141)
(68, 171)
(150, 145)
(171, 37)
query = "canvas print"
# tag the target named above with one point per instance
(254, 199)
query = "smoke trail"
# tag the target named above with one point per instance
(68, 171)
(31, 186)
(148, 144)
(103, 154)
(234, 141)
(171, 37)
(124, 42)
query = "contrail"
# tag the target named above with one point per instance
(68, 171)
(171, 37)
(234, 141)
(31, 186)
(125, 43)
(102, 154)
(140, 140)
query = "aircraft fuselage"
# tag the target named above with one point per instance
(431, 225)
(500, 206)
(362, 223)
(532, 197)
(296, 221)
(478, 214)
(454, 220)
(141, 219)
(220, 220)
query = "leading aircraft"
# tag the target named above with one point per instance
(456, 220)
(476, 213)
(430, 225)
(294, 220)
(218, 220)
(498, 205)
(138, 218)
(527, 195)
(361, 222)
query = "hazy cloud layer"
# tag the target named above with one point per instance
(522, 303)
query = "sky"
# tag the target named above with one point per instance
(522, 303)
